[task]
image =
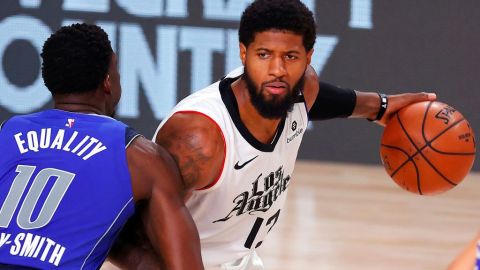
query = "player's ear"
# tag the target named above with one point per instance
(107, 84)
(309, 56)
(243, 53)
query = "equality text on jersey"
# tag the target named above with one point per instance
(84, 146)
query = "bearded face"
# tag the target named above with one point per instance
(268, 105)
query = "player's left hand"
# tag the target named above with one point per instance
(396, 102)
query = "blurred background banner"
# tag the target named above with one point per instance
(170, 48)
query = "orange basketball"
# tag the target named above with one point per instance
(428, 147)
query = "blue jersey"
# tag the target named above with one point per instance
(65, 189)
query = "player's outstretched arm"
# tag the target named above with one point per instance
(326, 101)
(158, 190)
(467, 258)
(369, 104)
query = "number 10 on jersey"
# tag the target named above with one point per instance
(18, 188)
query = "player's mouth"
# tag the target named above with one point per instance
(276, 88)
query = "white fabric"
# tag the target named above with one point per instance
(254, 194)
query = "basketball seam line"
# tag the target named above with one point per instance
(440, 134)
(419, 150)
(428, 144)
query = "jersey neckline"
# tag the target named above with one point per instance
(231, 104)
(78, 113)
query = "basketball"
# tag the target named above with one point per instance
(427, 147)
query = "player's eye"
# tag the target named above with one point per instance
(291, 57)
(263, 55)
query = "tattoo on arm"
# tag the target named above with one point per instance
(192, 158)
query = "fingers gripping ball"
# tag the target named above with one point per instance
(428, 147)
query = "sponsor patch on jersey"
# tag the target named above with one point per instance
(294, 125)
(294, 131)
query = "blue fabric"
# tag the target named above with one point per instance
(84, 187)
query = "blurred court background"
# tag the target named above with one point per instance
(342, 216)
(343, 212)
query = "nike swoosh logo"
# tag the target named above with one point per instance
(238, 167)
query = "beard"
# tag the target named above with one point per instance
(278, 106)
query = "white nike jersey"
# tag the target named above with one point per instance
(235, 214)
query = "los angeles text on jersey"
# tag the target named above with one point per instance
(32, 246)
(274, 184)
(83, 146)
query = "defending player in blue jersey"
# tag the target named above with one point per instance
(70, 177)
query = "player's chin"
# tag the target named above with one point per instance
(275, 98)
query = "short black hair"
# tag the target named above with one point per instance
(76, 59)
(290, 15)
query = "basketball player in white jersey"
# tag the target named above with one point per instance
(236, 141)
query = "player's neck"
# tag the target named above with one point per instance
(263, 129)
(78, 108)
(81, 103)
